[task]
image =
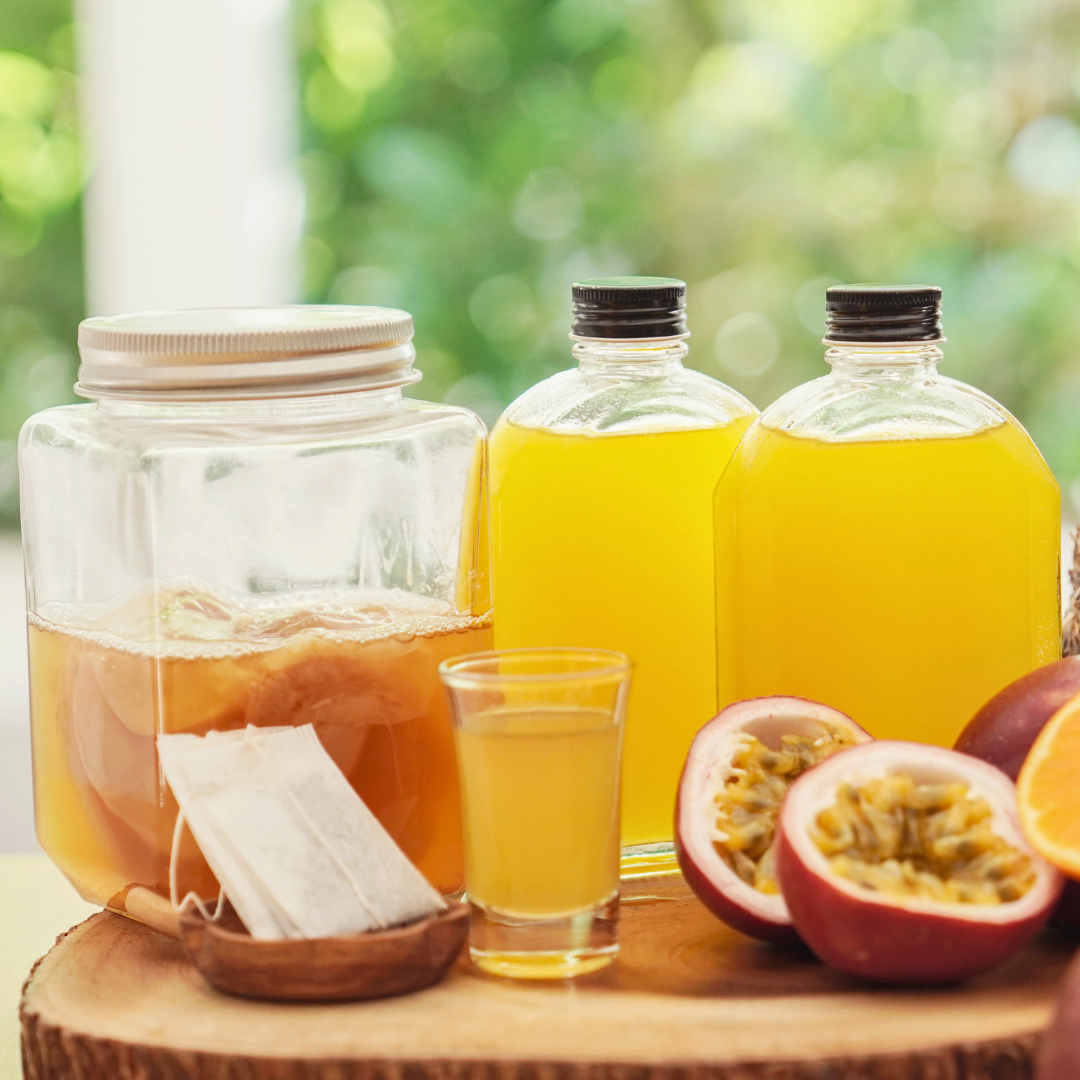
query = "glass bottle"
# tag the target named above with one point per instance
(888, 538)
(249, 524)
(601, 483)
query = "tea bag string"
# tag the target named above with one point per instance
(357, 890)
(191, 897)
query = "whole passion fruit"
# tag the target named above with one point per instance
(1002, 731)
(906, 863)
(737, 772)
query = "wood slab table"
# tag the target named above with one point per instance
(688, 999)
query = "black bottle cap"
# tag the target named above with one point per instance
(629, 307)
(870, 313)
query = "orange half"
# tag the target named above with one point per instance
(1048, 789)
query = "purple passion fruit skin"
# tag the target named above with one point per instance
(1059, 1056)
(893, 938)
(717, 886)
(1003, 730)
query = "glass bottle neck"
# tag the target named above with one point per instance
(900, 362)
(634, 359)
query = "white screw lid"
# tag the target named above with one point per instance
(245, 352)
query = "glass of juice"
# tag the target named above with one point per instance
(539, 740)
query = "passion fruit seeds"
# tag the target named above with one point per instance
(895, 836)
(748, 799)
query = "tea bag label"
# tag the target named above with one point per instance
(294, 847)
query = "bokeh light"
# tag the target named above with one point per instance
(42, 172)
(467, 160)
(761, 149)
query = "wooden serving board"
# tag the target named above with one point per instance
(688, 1000)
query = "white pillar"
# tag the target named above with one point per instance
(194, 198)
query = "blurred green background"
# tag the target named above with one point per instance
(467, 159)
(41, 174)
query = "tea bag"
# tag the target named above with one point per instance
(294, 847)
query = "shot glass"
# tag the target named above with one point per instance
(539, 743)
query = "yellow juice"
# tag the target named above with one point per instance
(541, 794)
(606, 541)
(902, 581)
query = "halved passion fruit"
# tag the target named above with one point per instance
(738, 770)
(906, 863)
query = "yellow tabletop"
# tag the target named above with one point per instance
(36, 905)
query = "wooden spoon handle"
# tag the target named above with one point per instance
(149, 908)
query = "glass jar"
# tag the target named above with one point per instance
(249, 525)
(602, 480)
(888, 538)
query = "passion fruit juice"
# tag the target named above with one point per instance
(362, 671)
(904, 581)
(606, 541)
(541, 809)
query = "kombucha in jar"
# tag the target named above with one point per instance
(362, 670)
(602, 481)
(279, 540)
(888, 539)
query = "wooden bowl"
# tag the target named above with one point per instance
(373, 965)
